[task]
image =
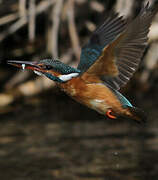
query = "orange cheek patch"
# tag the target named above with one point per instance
(108, 113)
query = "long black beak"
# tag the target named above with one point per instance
(24, 64)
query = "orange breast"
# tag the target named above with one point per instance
(94, 95)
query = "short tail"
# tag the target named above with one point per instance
(137, 114)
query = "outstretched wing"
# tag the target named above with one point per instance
(105, 34)
(119, 60)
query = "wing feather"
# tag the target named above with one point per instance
(120, 59)
(103, 35)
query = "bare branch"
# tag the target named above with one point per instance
(17, 78)
(124, 7)
(42, 6)
(56, 21)
(97, 6)
(153, 35)
(53, 29)
(8, 18)
(31, 13)
(150, 65)
(22, 8)
(72, 29)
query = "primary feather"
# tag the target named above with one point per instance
(100, 38)
(114, 51)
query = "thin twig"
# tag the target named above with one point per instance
(153, 34)
(22, 8)
(8, 18)
(17, 78)
(120, 7)
(151, 55)
(31, 26)
(97, 6)
(13, 28)
(55, 29)
(72, 29)
(42, 6)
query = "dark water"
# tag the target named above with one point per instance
(52, 137)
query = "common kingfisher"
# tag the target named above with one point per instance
(107, 62)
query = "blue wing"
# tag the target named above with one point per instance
(104, 34)
(124, 101)
(114, 50)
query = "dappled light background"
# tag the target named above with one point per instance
(44, 134)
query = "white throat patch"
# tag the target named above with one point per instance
(38, 73)
(67, 77)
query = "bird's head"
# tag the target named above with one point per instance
(53, 69)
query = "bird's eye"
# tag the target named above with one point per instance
(48, 67)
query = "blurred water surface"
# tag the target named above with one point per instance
(53, 137)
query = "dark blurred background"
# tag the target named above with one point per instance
(44, 134)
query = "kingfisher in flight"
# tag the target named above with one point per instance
(107, 62)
